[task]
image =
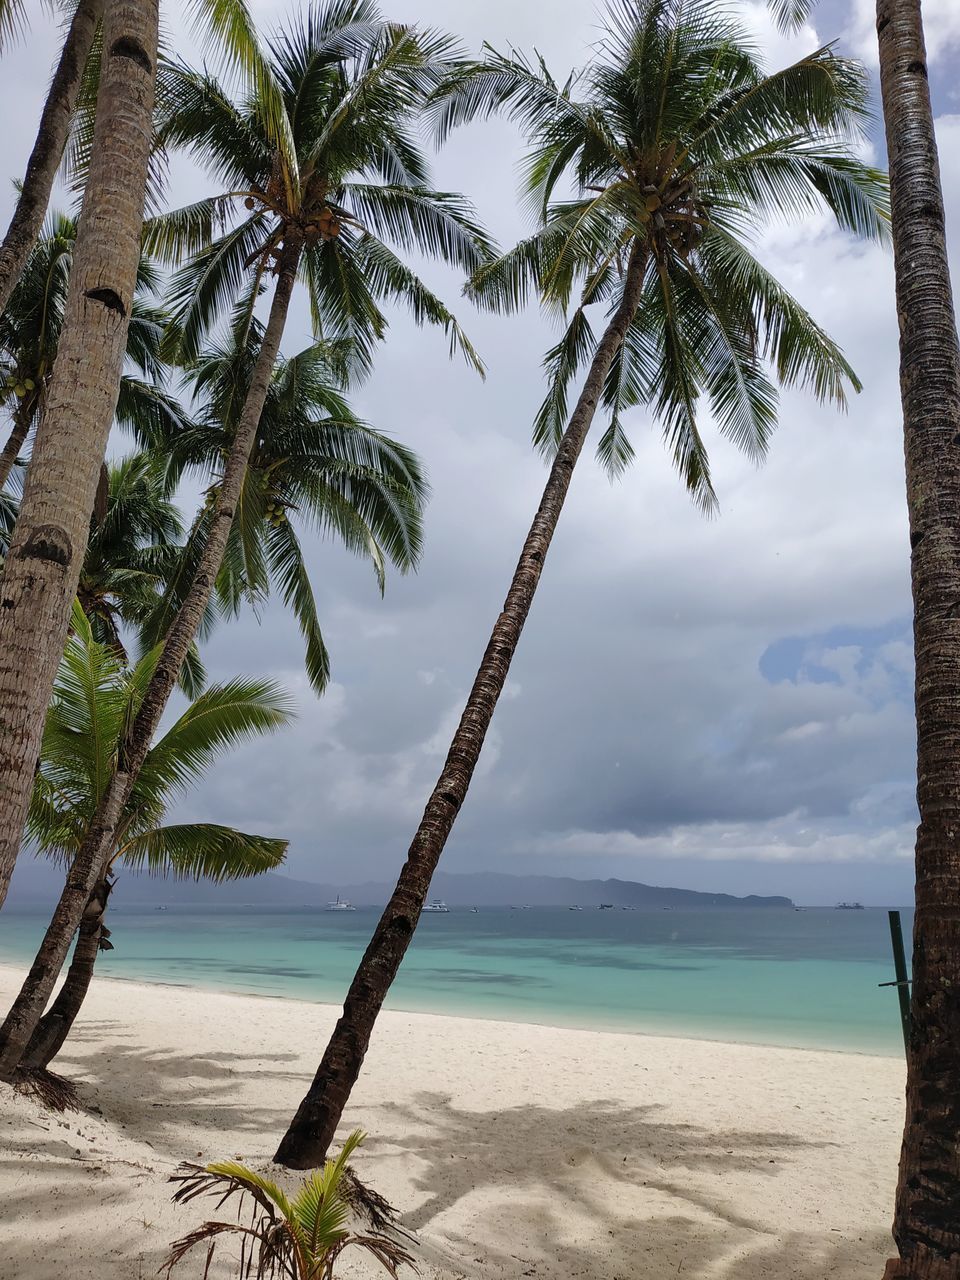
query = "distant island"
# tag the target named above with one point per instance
(38, 883)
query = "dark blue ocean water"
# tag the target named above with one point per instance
(776, 976)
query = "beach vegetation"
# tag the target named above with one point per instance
(314, 466)
(649, 171)
(320, 176)
(106, 108)
(298, 1237)
(95, 695)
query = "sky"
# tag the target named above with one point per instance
(718, 704)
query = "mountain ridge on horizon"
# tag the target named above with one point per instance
(37, 883)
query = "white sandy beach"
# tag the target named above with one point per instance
(513, 1150)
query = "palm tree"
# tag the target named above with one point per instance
(69, 107)
(41, 572)
(313, 464)
(324, 165)
(40, 576)
(30, 328)
(677, 147)
(135, 555)
(298, 1239)
(52, 135)
(927, 1216)
(95, 694)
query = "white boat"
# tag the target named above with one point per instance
(341, 904)
(436, 905)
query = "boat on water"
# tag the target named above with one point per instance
(341, 904)
(606, 906)
(437, 906)
(850, 906)
(574, 908)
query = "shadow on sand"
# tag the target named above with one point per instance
(596, 1192)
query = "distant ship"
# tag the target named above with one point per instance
(436, 905)
(850, 906)
(341, 904)
(606, 906)
(574, 908)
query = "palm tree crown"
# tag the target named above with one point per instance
(30, 333)
(94, 697)
(670, 150)
(313, 464)
(323, 151)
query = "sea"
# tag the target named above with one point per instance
(807, 978)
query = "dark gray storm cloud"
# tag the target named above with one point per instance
(720, 704)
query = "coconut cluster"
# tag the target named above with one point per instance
(671, 211)
(21, 387)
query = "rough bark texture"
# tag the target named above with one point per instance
(43, 566)
(927, 1218)
(305, 1143)
(55, 1025)
(94, 855)
(22, 419)
(48, 149)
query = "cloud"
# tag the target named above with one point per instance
(720, 704)
(941, 26)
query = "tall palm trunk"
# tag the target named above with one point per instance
(48, 149)
(927, 1218)
(46, 553)
(312, 1129)
(94, 855)
(22, 418)
(56, 1024)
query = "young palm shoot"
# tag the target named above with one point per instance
(677, 147)
(287, 1239)
(95, 695)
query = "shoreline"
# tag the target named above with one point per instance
(9, 968)
(511, 1149)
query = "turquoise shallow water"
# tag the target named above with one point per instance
(771, 976)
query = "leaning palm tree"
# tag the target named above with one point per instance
(30, 328)
(676, 147)
(69, 107)
(337, 169)
(288, 1239)
(52, 135)
(927, 1215)
(95, 695)
(314, 465)
(40, 577)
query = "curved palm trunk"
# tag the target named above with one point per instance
(17, 438)
(49, 147)
(312, 1129)
(46, 553)
(927, 1218)
(56, 1024)
(97, 849)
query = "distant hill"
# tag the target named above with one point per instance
(36, 884)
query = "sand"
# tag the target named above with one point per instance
(513, 1150)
